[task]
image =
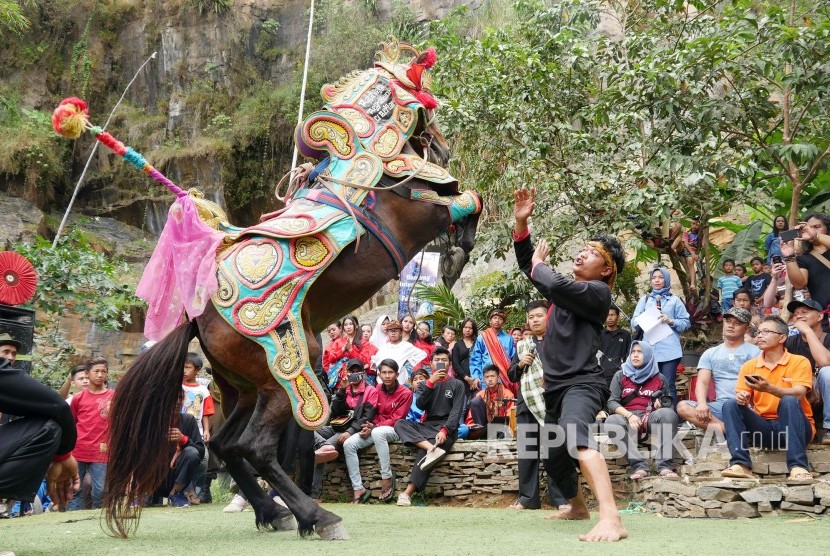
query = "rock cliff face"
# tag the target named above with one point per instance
(180, 111)
(215, 110)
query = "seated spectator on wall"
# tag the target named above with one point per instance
(492, 404)
(442, 399)
(813, 343)
(354, 403)
(393, 402)
(720, 364)
(640, 404)
(770, 409)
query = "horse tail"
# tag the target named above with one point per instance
(145, 404)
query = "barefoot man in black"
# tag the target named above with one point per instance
(575, 389)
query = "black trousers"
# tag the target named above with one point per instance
(296, 454)
(184, 471)
(410, 433)
(573, 412)
(27, 447)
(529, 467)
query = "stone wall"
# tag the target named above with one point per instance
(485, 472)
(475, 469)
(701, 492)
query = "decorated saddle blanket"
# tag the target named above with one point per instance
(263, 279)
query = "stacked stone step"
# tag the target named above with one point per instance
(702, 492)
(733, 498)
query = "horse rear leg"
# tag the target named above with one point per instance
(260, 446)
(226, 443)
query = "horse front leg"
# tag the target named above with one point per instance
(260, 446)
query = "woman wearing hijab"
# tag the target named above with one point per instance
(378, 338)
(674, 314)
(640, 404)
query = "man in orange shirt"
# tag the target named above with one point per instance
(770, 406)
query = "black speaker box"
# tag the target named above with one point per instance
(19, 323)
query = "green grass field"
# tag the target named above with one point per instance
(377, 529)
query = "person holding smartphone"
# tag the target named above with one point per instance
(770, 408)
(442, 399)
(811, 269)
(354, 404)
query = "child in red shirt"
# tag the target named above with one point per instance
(90, 409)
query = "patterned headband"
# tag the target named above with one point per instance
(606, 256)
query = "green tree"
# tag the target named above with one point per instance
(623, 113)
(73, 279)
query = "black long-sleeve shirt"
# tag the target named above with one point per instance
(569, 348)
(613, 350)
(24, 396)
(441, 402)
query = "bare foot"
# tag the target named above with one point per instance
(606, 530)
(571, 513)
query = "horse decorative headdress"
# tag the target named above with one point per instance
(370, 115)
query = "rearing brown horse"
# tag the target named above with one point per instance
(147, 397)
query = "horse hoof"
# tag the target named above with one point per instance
(335, 532)
(284, 524)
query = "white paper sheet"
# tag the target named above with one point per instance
(653, 330)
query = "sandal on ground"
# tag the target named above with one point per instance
(799, 474)
(737, 471)
(516, 506)
(637, 475)
(388, 493)
(668, 473)
(363, 498)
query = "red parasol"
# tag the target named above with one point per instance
(18, 279)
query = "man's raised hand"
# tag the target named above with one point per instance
(524, 201)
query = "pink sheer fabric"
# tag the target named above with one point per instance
(181, 274)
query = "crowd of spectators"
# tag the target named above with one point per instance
(396, 381)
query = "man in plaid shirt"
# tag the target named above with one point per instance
(526, 369)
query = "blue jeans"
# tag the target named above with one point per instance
(824, 388)
(669, 371)
(727, 304)
(791, 431)
(98, 474)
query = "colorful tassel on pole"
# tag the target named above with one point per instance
(71, 118)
